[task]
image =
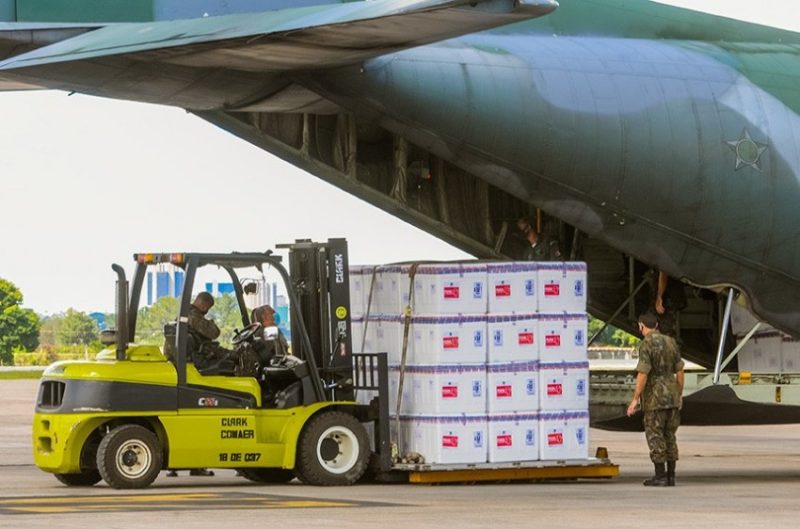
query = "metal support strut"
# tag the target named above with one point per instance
(723, 334)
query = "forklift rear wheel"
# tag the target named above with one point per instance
(267, 475)
(129, 457)
(84, 478)
(333, 450)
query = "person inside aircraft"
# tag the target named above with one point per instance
(669, 299)
(541, 247)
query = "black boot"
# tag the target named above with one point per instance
(660, 478)
(670, 473)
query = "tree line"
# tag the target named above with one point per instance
(31, 338)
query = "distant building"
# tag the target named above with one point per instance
(100, 319)
(166, 281)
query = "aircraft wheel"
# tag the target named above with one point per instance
(84, 478)
(129, 457)
(333, 450)
(267, 475)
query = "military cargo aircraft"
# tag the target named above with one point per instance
(643, 136)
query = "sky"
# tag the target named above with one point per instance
(85, 182)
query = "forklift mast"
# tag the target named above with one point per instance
(321, 283)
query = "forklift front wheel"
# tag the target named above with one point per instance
(129, 457)
(333, 450)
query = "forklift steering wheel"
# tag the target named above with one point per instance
(246, 333)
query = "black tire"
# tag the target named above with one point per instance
(129, 457)
(85, 478)
(267, 475)
(333, 449)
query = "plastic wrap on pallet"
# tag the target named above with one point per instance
(513, 437)
(391, 290)
(564, 434)
(563, 385)
(512, 387)
(363, 342)
(450, 288)
(562, 337)
(449, 439)
(512, 287)
(440, 389)
(562, 287)
(357, 306)
(512, 337)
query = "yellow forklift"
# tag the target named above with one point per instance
(132, 413)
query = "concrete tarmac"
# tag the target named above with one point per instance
(732, 477)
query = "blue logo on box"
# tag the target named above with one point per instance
(580, 435)
(581, 387)
(477, 389)
(529, 287)
(530, 387)
(579, 288)
(579, 337)
(477, 290)
(477, 439)
(530, 437)
(477, 339)
(498, 337)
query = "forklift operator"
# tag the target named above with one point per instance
(207, 355)
(198, 324)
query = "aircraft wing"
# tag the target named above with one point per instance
(287, 40)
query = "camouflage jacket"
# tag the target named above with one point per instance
(546, 249)
(199, 325)
(660, 360)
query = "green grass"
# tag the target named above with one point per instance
(18, 374)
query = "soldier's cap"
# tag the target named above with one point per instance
(649, 320)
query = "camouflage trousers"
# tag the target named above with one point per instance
(246, 361)
(213, 359)
(659, 430)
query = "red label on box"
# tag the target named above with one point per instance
(552, 340)
(502, 291)
(449, 392)
(451, 293)
(554, 439)
(526, 338)
(450, 342)
(450, 441)
(504, 391)
(554, 390)
(553, 289)
(504, 440)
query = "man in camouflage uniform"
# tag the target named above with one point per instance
(659, 384)
(207, 352)
(542, 247)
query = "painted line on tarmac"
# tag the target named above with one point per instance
(168, 502)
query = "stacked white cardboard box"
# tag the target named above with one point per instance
(495, 367)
